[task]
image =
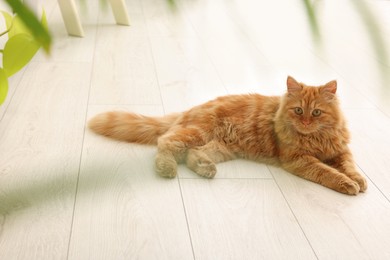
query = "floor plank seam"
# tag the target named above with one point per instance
(227, 178)
(186, 216)
(152, 55)
(83, 139)
(293, 213)
(372, 181)
(211, 60)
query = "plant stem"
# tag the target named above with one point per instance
(5, 32)
(9, 29)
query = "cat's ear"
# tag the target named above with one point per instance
(292, 85)
(330, 87)
(328, 91)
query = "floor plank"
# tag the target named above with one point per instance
(338, 226)
(123, 71)
(185, 73)
(41, 139)
(242, 219)
(371, 145)
(236, 169)
(240, 65)
(13, 83)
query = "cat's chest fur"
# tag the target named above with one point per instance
(323, 146)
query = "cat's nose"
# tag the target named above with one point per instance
(306, 122)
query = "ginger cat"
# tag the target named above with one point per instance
(303, 132)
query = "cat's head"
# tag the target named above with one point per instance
(310, 109)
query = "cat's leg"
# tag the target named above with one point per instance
(312, 169)
(172, 148)
(202, 159)
(345, 164)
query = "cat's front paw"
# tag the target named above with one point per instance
(348, 187)
(361, 181)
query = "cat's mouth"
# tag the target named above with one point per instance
(306, 129)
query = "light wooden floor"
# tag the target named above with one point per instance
(66, 193)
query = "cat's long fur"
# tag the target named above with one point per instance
(303, 131)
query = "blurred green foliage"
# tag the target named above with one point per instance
(36, 28)
(310, 11)
(26, 35)
(368, 18)
(372, 26)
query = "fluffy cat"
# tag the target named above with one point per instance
(303, 132)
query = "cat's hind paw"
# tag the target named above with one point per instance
(206, 169)
(201, 164)
(166, 166)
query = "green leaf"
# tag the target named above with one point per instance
(8, 19)
(44, 20)
(17, 27)
(18, 51)
(3, 86)
(8, 22)
(32, 23)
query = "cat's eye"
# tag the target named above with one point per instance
(298, 111)
(316, 112)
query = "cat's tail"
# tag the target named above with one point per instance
(131, 127)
